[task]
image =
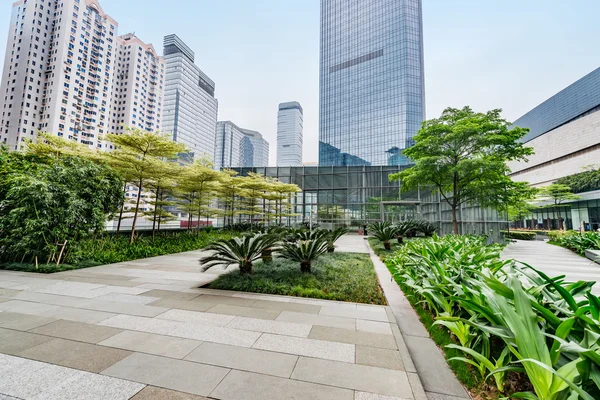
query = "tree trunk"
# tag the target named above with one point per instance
(246, 267)
(267, 255)
(121, 212)
(155, 211)
(306, 267)
(454, 220)
(160, 217)
(331, 248)
(137, 207)
(387, 245)
(400, 239)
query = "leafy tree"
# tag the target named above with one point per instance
(228, 191)
(463, 155)
(253, 190)
(558, 194)
(51, 204)
(196, 185)
(161, 186)
(138, 157)
(52, 146)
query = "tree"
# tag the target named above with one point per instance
(463, 155)
(48, 204)
(137, 157)
(253, 190)
(228, 191)
(558, 193)
(161, 185)
(197, 184)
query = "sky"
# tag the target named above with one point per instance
(509, 54)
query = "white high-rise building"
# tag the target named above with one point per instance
(238, 147)
(190, 107)
(137, 99)
(67, 72)
(58, 72)
(290, 125)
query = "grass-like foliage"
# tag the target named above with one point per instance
(529, 335)
(578, 242)
(334, 276)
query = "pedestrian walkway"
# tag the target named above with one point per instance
(144, 330)
(554, 261)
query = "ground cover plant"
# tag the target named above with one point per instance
(525, 334)
(577, 241)
(519, 235)
(334, 276)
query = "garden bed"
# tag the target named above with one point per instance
(337, 276)
(108, 249)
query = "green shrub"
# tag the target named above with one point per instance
(519, 235)
(507, 318)
(579, 242)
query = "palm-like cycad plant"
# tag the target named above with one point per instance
(333, 236)
(243, 250)
(384, 232)
(304, 252)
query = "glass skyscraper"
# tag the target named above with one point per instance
(372, 89)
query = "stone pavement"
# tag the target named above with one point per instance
(143, 330)
(554, 261)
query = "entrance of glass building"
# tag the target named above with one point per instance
(397, 211)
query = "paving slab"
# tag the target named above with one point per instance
(287, 306)
(416, 386)
(142, 324)
(156, 393)
(217, 299)
(438, 396)
(8, 292)
(168, 294)
(249, 312)
(160, 345)
(373, 314)
(199, 317)
(216, 334)
(383, 341)
(13, 342)
(183, 376)
(315, 319)
(374, 327)
(352, 376)
(372, 396)
(77, 355)
(88, 386)
(251, 360)
(307, 347)
(128, 298)
(182, 304)
(139, 310)
(266, 326)
(250, 386)
(435, 373)
(76, 331)
(382, 358)
(22, 322)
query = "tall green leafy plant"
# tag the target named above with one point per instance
(242, 251)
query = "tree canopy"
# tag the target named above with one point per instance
(463, 155)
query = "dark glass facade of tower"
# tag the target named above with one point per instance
(372, 90)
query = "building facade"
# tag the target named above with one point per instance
(190, 107)
(290, 126)
(238, 147)
(137, 98)
(58, 72)
(372, 91)
(564, 133)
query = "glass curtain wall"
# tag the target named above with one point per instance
(572, 216)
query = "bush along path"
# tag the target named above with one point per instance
(508, 329)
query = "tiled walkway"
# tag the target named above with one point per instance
(142, 330)
(554, 261)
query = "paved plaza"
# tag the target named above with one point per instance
(143, 330)
(554, 261)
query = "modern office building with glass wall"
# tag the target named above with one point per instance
(565, 136)
(290, 126)
(358, 195)
(190, 107)
(238, 147)
(372, 91)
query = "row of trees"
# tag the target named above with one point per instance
(60, 191)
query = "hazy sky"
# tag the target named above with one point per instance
(509, 54)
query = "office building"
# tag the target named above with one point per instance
(137, 98)
(290, 125)
(565, 136)
(257, 153)
(372, 91)
(190, 107)
(58, 72)
(239, 147)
